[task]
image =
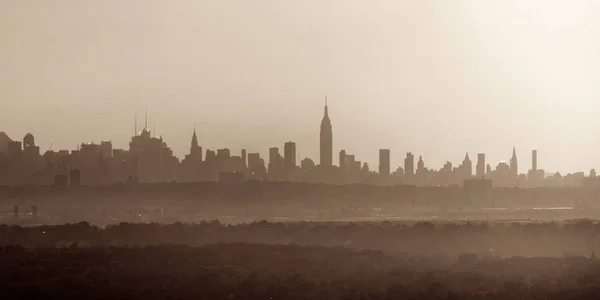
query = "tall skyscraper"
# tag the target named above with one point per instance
(275, 163)
(289, 156)
(409, 165)
(467, 166)
(195, 149)
(480, 171)
(384, 162)
(514, 165)
(326, 143)
(534, 160)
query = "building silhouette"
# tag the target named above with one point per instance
(149, 159)
(481, 166)
(326, 140)
(467, 167)
(343, 161)
(514, 165)
(409, 165)
(289, 157)
(384, 162)
(275, 168)
(4, 141)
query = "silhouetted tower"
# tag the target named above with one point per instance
(480, 171)
(28, 141)
(343, 161)
(514, 165)
(326, 144)
(275, 164)
(289, 156)
(467, 166)
(420, 165)
(365, 168)
(384, 162)
(194, 140)
(534, 160)
(195, 149)
(409, 165)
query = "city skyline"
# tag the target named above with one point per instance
(436, 80)
(291, 158)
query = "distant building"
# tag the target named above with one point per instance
(275, 163)
(343, 161)
(467, 167)
(326, 140)
(256, 166)
(4, 141)
(409, 165)
(384, 162)
(106, 149)
(514, 165)
(480, 169)
(289, 152)
(307, 164)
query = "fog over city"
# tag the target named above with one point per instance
(438, 79)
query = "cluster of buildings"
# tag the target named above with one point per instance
(149, 159)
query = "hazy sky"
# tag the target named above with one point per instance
(438, 78)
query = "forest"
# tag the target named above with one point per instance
(329, 260)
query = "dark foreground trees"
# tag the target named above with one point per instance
(253, 271)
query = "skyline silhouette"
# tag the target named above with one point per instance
(435, 80)
(150, 159)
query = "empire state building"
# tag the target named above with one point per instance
(326, 145)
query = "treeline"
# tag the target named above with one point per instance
(492, 239)
(246, 271)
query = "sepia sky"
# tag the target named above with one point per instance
(438, 78)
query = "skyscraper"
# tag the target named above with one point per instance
(289, 156)
(275, 163)
(534, 160)
(343, 161)
(420, 165)
(409, 165)
(514, 165)
(195, 149)
(467, 167)
(384, 162)
(480, 171)
(326, 143)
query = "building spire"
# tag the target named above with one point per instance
(135, 132)
(146, 119)
(194, 140)
(326, 108)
